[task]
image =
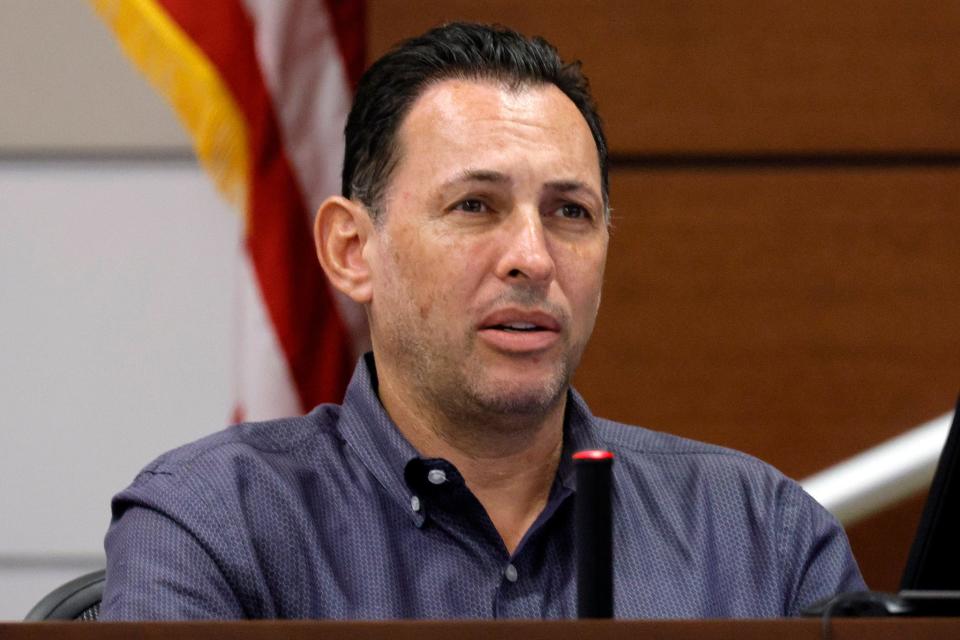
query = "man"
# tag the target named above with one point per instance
(473, 227)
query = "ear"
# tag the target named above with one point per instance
(340, 231)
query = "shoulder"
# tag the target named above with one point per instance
(638, 445)
(212, 464)
(728, 483)
(765, 523)
(266, 437)
(709, 479)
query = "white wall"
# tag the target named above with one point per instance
(116, 291)
(65, 86)
(116, 286)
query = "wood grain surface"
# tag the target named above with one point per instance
(798, 315)
(789, 629)
(740, 77)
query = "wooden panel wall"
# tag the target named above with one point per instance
(675, 76)
(784, 275)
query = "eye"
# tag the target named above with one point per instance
(472, 205)
(572, 211)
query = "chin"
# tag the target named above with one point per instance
(520, 396)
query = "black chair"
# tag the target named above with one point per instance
(78, 600)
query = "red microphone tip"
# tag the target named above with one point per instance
(593, 454)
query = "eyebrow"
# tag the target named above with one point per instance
(496, 177)
(478, 175)
(565, 186)
(569, 186)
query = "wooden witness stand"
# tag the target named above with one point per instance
(784, 629)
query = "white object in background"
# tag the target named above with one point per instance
(116, 327)
(882, 476)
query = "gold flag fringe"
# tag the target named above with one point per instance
(180, 71)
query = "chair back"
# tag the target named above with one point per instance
(78, 600)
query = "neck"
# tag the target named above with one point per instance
(508, 462)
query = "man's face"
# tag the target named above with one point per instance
(488, 264)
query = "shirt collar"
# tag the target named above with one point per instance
(366, 427)
(578, 435)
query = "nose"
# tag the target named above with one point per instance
(526, 255)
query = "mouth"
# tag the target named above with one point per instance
(520, 321)
(518, 327)
(520, 331)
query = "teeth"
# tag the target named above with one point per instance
(520, 326)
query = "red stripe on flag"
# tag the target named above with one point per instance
(350, 24)
(295, 290)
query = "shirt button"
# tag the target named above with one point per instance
(415, 503)
(510, 573)
(437, 476)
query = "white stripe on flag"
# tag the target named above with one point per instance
(265, 384)
(302, 68)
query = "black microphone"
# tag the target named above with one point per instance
(593, 533)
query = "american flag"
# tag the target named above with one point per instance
(264, 87)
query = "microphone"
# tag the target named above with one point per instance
(593, 533)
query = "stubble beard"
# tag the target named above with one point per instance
(491, 398)
(453, 381)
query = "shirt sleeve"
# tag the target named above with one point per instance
(816, 556)
(157, 570)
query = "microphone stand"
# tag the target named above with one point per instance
(593, 532)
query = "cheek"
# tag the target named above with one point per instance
(582, 271)
(434, 275)
(446, 285)
(417, 276)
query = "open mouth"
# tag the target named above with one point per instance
(518, 327)
(520, 331)
(520, 321)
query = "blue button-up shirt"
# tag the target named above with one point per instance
(335, 515)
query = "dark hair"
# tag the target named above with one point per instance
(390, 86)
